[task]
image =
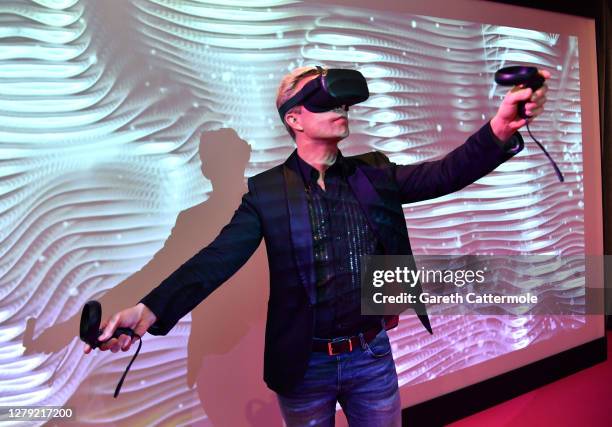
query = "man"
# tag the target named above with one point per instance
(318, 213)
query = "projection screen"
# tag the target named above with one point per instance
(127, 129)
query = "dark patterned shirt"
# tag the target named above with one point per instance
(340, 235)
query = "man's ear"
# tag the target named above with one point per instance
(293, 120)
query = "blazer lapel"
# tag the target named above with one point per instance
(299, 221)
(380, 217)
(372, 205)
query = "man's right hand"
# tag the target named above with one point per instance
(138, 318)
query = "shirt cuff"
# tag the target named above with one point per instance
(512, 146)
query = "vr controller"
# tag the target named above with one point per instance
(528, 77)
(91, 317)
(518, 75)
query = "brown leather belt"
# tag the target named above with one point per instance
(344, 344)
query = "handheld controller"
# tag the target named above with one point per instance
(531, 78)
(91, 317)
(519, 75)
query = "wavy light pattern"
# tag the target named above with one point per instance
(100, 114)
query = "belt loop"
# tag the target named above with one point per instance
(362, 341)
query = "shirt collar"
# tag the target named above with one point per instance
(310, 174)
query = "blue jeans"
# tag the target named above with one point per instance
(364, 381)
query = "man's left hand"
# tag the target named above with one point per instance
(507, 120)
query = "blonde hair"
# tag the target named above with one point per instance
(287, 89)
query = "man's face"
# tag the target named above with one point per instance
(329, 125)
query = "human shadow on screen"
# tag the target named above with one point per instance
(225, 348)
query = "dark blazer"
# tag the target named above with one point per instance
(275, 208)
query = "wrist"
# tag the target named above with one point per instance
(501, 130)
(146, 314)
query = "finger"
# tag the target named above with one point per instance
(517, 124)
(544, 73)
(135, 338)
(87, 349)
(535, 113)
(107, 345)
(115, 347)
(530, 106)
(110, 328)
(540, 93)
(519, 94)
(540, 102)
(140, 330)
(125, 342)
(103, 325)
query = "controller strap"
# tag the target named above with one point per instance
(118, 388)
(552, 162)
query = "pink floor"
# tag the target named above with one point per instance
(582, 399)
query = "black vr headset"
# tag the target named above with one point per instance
(333, 88)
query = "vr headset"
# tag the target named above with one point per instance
(333, 88)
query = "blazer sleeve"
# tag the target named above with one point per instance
(475, 158)
(198, 277)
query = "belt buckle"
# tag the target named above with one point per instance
(330, 347)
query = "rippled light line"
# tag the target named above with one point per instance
(72, 225)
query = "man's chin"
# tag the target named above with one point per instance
(333, 137)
